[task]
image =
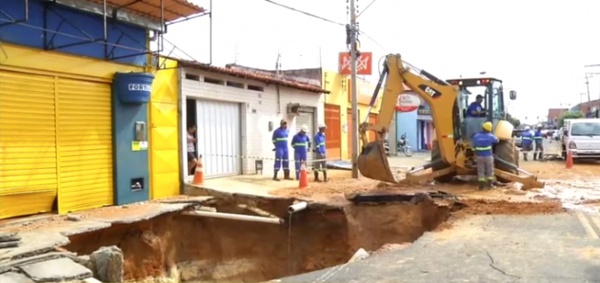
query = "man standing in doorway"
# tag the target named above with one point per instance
(300, 143)
(280, 137)
(482, 142)
(191, 149)
(320, 163)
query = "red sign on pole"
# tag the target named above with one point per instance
(364, 63)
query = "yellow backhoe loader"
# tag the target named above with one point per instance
(451, 153)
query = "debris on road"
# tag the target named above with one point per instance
(9, 240)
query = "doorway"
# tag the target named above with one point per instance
(190, 108)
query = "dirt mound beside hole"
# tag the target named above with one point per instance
(478, 207)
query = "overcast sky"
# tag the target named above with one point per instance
(537, 47)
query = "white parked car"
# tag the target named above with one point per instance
(582, 138)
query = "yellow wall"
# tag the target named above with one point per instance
(164, 132)
(339, 86)
(51, 64)
(34, 60)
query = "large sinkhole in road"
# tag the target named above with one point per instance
(185, 248)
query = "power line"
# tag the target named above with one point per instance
(369, 5)
(329, 21)
(305, 13)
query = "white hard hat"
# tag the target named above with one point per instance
(322, 125)
(304, 128)
(539, 125)
(527, 128)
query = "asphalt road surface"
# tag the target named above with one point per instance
(544, 248)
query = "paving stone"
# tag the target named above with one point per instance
(10, 244)
(9, 237)
(33, 243)
(91, 280)
(14, 277)
(56, 270)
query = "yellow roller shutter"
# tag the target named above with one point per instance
(84, 127)
(28, 167)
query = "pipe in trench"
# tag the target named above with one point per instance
(299, 206)
(233, 216)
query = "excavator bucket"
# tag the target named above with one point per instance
(373, 164)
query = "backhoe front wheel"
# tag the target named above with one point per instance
(507, 151)
(437, 155)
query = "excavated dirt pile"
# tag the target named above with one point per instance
(185, 248)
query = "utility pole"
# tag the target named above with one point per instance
(587, 84)
(355, 117)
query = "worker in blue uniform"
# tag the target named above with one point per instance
(301, 144)
(476, 109)
(280, 138)
(539, 143)
(527, 142)
(320, 163)
(483, 142)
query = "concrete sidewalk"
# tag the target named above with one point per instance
(262, 184)
(546, 248)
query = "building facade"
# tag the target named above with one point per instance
(338, 112)
(237, 110)
(416, 123)
(590, 109)
(58, 128)
(163, 114)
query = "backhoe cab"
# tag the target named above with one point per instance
(451, 153)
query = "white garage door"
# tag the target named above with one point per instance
(219, 137)
(307, 119)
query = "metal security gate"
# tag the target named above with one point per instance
(219, 137)
(55, 144)
(308, 119)
(28, 163)
(84, 138)
(333, 133)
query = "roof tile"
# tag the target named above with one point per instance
(258, 76)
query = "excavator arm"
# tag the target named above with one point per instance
(441, 97)
(438, 94)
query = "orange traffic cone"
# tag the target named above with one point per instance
(303, 177)
(569, 163)
(199, 173)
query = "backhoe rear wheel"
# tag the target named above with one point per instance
(507, 151)
(437, 155)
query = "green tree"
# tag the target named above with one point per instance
(569, 115)
(516, 122)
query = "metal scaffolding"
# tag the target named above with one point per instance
(111, 17)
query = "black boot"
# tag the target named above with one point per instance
(275, 176)
(525, 156)
(482, 185)
(325, 176)
(540, 156)
(317, 177)
(286, 175)
(534, 156)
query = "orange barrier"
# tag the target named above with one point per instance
(199, 173)
(569, 163)
(303, 182)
